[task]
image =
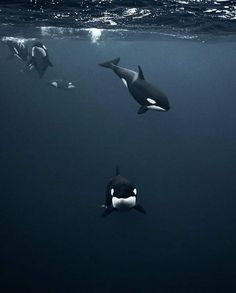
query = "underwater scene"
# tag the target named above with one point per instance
(118, 146)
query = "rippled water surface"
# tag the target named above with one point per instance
(206, 15)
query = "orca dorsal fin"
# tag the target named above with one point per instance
(117, 170)
(140, 72)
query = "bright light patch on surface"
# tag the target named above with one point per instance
(18, 40)
(95, 34)
(45, 31)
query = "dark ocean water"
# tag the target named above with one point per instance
(59, 149)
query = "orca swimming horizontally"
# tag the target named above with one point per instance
(121, 195)
(39, 58)
(18, 49)
(148, 96)
(62, 84)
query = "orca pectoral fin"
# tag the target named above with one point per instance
(140, 209)
(142, 109)
(10, 56)
(107, 211)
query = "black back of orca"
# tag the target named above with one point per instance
(146, 94)
(41, 66)
(141, 90)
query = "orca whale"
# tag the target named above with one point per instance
(147, 95)
(39, 58)
(121, 195)
(17, 49)
(61, 84)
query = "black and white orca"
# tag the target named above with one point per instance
(18, 49)
(61, 84)
(147, 95)
(39, 58)
(121, 195)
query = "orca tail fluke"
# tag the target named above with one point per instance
(117, 170)
(110, 64)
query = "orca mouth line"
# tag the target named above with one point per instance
(157, 108)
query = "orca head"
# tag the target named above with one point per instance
(39, 50)
(70, 85)
(155, 103)
(123, 196)
(38, 44)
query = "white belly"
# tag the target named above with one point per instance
(38, 52)
(124, 203)
(124, 82)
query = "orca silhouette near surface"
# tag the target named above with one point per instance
(17, 49)
(147, 95)
(39, 58)
(121, 195)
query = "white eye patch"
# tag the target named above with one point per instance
(112, 191)
(135, 191)
(54, 83)
(151, 101)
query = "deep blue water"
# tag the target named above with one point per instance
(59, 149)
